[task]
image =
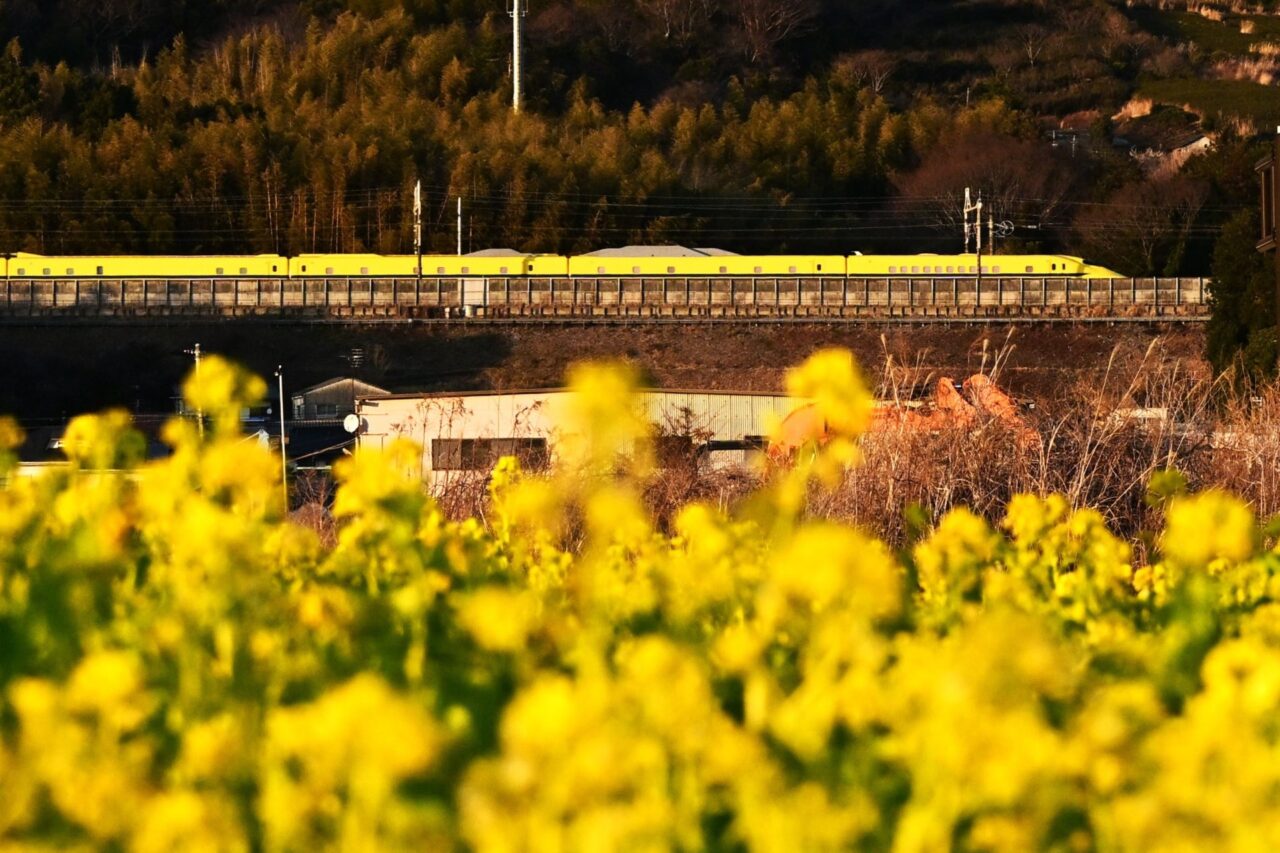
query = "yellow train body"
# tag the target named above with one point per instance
(406, 266)
(956, 265)
(24, 265)
(29, 266)
(589, 266)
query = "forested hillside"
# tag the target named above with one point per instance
(771, 125)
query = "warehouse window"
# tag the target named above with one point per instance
(326, 410)
(479, 454)
(531, 452)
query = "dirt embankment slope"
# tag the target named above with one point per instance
(51, 372)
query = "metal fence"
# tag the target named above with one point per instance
(604, 297)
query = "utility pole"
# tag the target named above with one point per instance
(194, 352)
(459, 225)
(417, 225)
(517, 12)
(284, 464)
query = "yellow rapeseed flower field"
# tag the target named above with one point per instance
(182, 667)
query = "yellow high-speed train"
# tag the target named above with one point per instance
(28, 266)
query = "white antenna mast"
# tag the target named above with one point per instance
(417, 224)
(517, 10)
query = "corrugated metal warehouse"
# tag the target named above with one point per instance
(468, 432)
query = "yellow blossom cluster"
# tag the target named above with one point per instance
(182, 667)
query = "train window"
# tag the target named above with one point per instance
(972, 268)
(791, 269)
(671, 270)
(928, 269)
(244, 270)
(217, 271)
(724, 269)
(364, 270)
(99, 270)
(635, 270)
(502, 270)
(996, 268)
(986, 269)
(274, 268)
(304, 267)
(950, 269)
(600, 270)
(1030, 268)
(759, 270)
(892, 269)
(1053, 266)
(915, 269)
(46, 270)
(439, 270)
(819, 267)
(466, 270)
(328, 270)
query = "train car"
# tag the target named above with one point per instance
(25, 265)
(592, 266)
(406, 266)
(956, 265)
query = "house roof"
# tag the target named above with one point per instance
(337, 380)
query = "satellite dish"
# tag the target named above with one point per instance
(351, 423)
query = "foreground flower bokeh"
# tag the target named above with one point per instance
(182, 667)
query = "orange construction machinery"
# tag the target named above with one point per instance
(948, 408)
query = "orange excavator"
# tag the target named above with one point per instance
(948, 408)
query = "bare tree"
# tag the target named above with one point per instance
(767, 23)
(681, 20)
(869, 68)
(1022, 180)
(1033, 38)
(1143, 228)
